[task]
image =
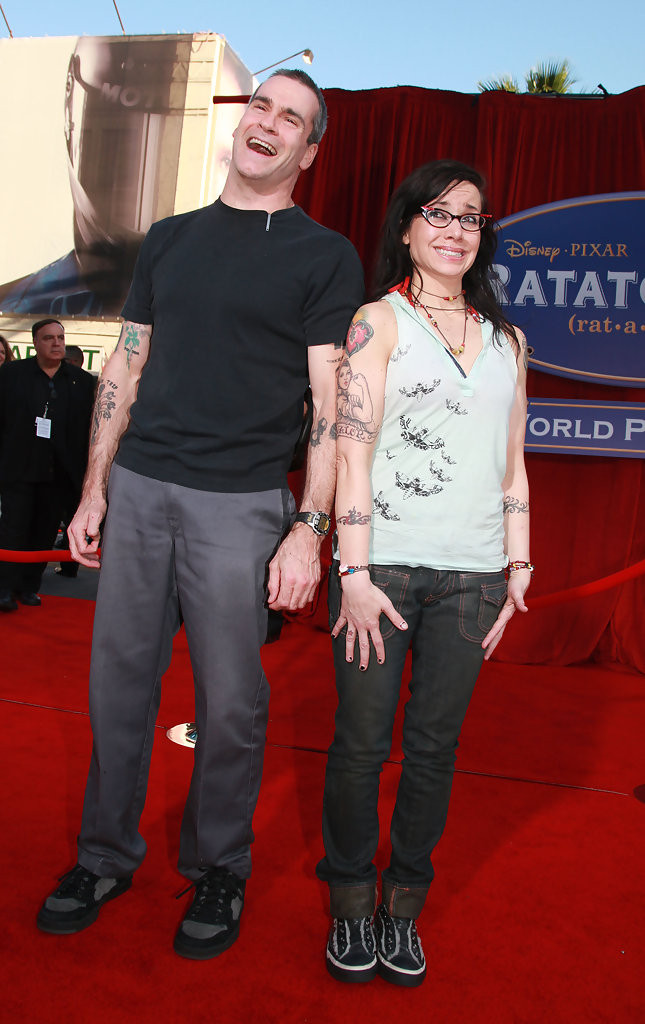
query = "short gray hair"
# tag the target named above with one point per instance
(320, 120)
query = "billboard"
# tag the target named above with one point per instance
(102, 137)
(572, 275)
(584, 427)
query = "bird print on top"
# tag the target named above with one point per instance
(382, 508)
(418, 437)
(415, 486)
(400, 353)
(420, 390)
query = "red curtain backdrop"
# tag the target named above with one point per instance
(587, 513)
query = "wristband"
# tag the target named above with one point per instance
(349, 570)
(514, 566)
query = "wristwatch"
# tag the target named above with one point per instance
(318, 521)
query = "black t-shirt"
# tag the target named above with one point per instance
(235, 298)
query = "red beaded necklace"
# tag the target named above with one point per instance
(446, 298)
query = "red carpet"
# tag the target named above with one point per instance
(536, 913)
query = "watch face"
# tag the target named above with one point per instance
(318, 521)
(322, 524)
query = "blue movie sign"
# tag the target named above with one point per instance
(572, 276)
(585, 428)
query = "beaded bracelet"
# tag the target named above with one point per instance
(514, 566)
(349, 570)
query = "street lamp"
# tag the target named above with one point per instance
(307, 56)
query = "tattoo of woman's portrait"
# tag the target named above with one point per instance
(354, 404)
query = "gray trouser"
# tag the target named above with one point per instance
(167, 548)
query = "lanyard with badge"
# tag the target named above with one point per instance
(43, 424)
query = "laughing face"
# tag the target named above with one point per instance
(270, 144)
(446, 253)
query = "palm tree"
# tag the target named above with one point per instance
(504, 84)
(548, 76)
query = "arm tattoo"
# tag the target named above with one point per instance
(354, 518)
(132, 341)
(317, 432)
(359, 334)
(512, 504)
(103, 406)
(525, 353)
(354, 406)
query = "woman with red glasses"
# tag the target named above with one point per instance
(432, 514)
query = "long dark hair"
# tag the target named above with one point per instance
(8, 354)
(394, 263)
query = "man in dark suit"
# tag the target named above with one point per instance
(45, 410)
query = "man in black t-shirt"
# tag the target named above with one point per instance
(232, 311)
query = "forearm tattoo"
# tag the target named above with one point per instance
(512, 504)
(525, 353)
(104, 405)
(358, 336)
(317, 432)
(354, 518)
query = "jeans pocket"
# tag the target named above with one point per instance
(481, 598)
(394, 583)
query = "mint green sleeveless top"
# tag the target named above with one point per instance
(440, 457)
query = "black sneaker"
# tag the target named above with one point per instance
(76, 902)
(398, 949)
(212, 923)
(351, 949)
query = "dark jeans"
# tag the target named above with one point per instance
(448, 615)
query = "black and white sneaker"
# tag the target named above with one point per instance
(351, 949)
(212, 923)
(76, 902)
(398, 949)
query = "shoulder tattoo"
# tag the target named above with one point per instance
(360, 332)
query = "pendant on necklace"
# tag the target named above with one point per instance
(455, 351)
(467, 309)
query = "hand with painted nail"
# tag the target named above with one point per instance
(361, 608)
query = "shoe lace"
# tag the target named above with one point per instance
(77, 882)
(216, 888)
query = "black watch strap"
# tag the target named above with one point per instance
(318, 521)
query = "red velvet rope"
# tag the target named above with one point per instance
(35, 556)
(586, 589)
(545, 601)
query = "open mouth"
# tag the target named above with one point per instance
(451, 254)
(260, 146)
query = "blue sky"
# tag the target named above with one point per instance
(367, 45)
